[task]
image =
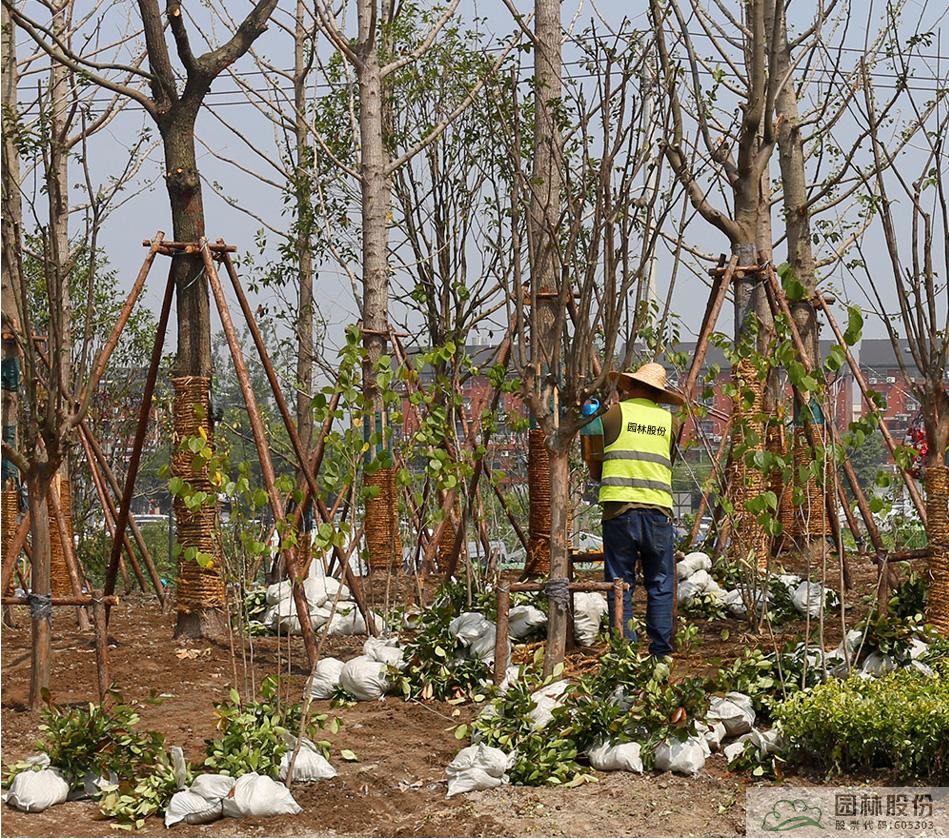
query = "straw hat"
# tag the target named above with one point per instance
(652, 375)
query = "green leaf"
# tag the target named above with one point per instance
(347, 754)
(854, 326)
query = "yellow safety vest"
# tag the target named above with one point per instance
(637, 466)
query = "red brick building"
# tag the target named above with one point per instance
(881, 368)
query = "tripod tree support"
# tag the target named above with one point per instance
(352, 581)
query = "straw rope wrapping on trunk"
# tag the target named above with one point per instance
(9, 507)
(749, 537)
(446, 542)
(382, 521)
(937, 502)
(538, 486)
(198, 588)
(60, 584)
(811, 516)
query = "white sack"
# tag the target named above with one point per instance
(545, 700)
(92, 784)
(211, 786)
(701, 582)
(34, 792)
(385, 651)
(468, 627)
(364, 678)
(477, 767)
(290, 623)
(766, 742)
(588, 609)
(190, 808)
(687, 757)
(310, 765)
(622, 757)
(482, 647)
(692, 562)
(789, 581)
(349, 621)
(878, 663)
(326, 677)
(257, 796)
(735, 603)
(713, 734)
(523, 620)
(735, 712)
(808, 598)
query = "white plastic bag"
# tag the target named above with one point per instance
(701, 582)
(326, 677)
(712, 733)
(385, 651)
(766, 742)
(687, 757)
(588, 609)
(468, 627)
(310, 765)
(211, 786)
(545, 700)
(809, 598)
(878, 663)
(190, 808)
(483, 646)
(35, 791)
(692, 562)
(735, 712)
(524, 620)
(257, 796)
(621, 757)
(477, 767)
(735, 603)
(349, 621)
(364, 678)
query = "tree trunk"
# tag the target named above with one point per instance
(58, 272)
(382, 521)
(37, 487)
(543, 221)
(200, 596)
(304, 252)
(9, 302)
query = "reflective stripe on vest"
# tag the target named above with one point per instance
(637, 466)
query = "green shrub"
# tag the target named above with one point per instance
(434, 668)
(256, 735)
(898, 721)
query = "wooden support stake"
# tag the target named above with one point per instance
(263, 451)
(17, 545)
(908, 480)
(619, 588)
(500, 637)
(102, 648)
(352, 580)
(69, 554)
(139, 439)
(720, 288)
(108, 512)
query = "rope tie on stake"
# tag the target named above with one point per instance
(41, 606)
(558, 590)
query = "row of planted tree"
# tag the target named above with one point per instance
(536, 185)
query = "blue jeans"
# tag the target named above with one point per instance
(643, 536)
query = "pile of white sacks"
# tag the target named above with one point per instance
(732, 717)
(209, 796)
(695, 579)
(320, 592)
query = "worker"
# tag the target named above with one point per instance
(629, 451)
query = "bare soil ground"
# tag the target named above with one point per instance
(397, 787)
